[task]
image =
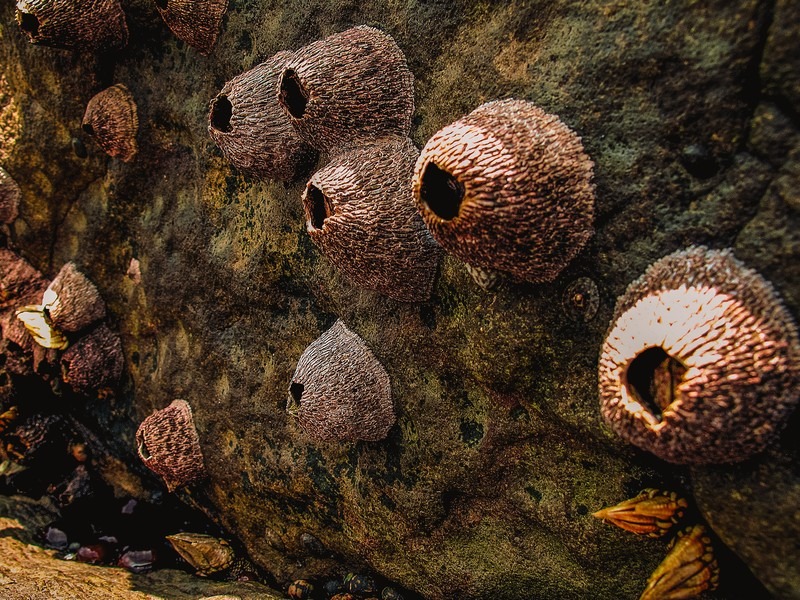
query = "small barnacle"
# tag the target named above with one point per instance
(95, 25)
(72, 302)
(652, 513)
(196, 22)
(487, 279)
(701, 363)
(350, 85)
(507, 187)
(112, 120)
(205, 553)
(253, 131)
(340, 391)
(95, 361)
(134, 272)
(581, 299)
(300, 590)
(10, 195)
(360, 214)
(168, 444)
(687, 571)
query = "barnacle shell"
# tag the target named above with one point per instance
(251, 128)
(687, 571)
(72, 302)
(196, 22)
(168, 444)
(360, 214)
(487, 279)
(652, 513)
(112, 120)
(94, 361)
(9, 198)
(36, 323)
(507, 187)
(95, 25)
(581, 299)
(702, 361)
(300, 590)
(204, 552)
(340, 391)
(20, 283)
(349, 85)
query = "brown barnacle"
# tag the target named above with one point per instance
(88, 26)
(507, 187)
(71, 302)
(340, 391)
(95, 361)
(701, 363)
(688, 570)
(168, 445)
(253, 131)
(112, 120)
(652, 513)
(581, 299)
(360, 214)
(350, 85)
(206, 553)
(20, 283)
(10, 195)
(196, 22)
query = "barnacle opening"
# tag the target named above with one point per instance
(221, 113)
(318, 207)
(144, 452)
(441, 192)
(296, 391)
(88, 129)
(28, 23)
(653, 377)
(292, 94)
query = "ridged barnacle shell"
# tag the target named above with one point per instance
(340, 391)
(701, 363)
(95, 361)
(253, 131)
(507, 187)
(687, 571)
(112, 120)
(360, 214)
(19, 282)
(71, 302)
(205, 553)
(349, 85)
(652, 513)
(168, 444)
(72, 24)
(196, 22)
(10, 195)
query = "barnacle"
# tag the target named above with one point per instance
(112, 120)
(72, 302)
(205, 553)
(94, 361)
(196, 22)
(33, 318)
(20, 283)
(581, 299)
(487, 279)
(9, 198)
(652, 513)
(95, 25)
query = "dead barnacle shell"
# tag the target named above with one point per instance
(253, 131)
(72, 302)
(168, 444)
(95, 361)
(702, 361)
(350, 85)
(96, 25)
(204, 552)
(687, 571)
(10, 195)
(38, 326)
(581, 299)
(360, 214)
(652, 513)
(112, 120)
(487, 279)
(340, 391)
(196, 22)
(507, 187)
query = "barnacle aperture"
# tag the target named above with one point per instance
(652, 513)
(196, 22)
(10, 195)
(89, 26)
(112, 119)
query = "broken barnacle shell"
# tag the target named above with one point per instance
(340, 391)
(168, 444)
(33, 318)
(205, 553)
(71, 302)
(507, 187)
(95, 361)
(360, 214)
(652, 513)
(95, 25)
(196, 22)
(112, 120)
(10, 195)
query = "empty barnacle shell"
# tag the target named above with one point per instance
(112, 120)
(9, 198)
(340, 391)
(71, 301)
(701, 363)
(507, 187)
(168, 444)
(205, 553)
(43, 333)
(360, 214)
(652, 513)
(95, 361)
(687, 571)
(95, 25)
(196, 22)
(253, 131)
(350, 85)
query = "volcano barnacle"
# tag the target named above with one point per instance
(95, 361)
(71, 301)
(96, 25)
(10, 195)
(507, 187)
(196, 22)
(652, 513)
(112, 120)
(702, 361)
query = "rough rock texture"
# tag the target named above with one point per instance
(486, 485)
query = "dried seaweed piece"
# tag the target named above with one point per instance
(95, 25)
(196, 22)
(10, 195)
(340, 391)
(168, 444)
(111, 119)
(652, 513)
(95, 361)
(352, 84)
(204, 552)
(360, 214)
(701, 363)
(72, 302)
(253, 131)
(507, 187)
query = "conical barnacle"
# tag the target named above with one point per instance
(168, 444)
(507, 187)
(9, 198)
(20, 283)
(95, 25)
(701, 363)
(687, 571)
(72, 302)
(340, 391)
(652, 513)
(196, 22)
(112, 120)
(359, 213)
(251, 128)
(349, 85)
(204, 552)
(95, 361)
